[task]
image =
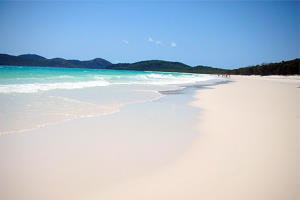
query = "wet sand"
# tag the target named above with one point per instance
(78, 158)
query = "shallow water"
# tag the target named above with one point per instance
(76, 158)
(35, 79)
(34, 97)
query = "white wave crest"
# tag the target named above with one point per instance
(165, 79)
(94, 80)
(32, 88)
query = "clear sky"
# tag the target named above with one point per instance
(226, 34)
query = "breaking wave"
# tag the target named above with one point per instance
(36, 87)
(31, 80)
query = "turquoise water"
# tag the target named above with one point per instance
(33, 97)
(35, 79)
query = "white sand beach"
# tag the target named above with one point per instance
(244, 144)
(247, 147)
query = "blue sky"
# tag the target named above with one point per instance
(226, 34)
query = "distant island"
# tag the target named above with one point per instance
(291, 67)
(36, 60)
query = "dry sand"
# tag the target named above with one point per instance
(247, 148)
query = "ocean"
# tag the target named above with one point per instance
(35, 79)
(35, 97)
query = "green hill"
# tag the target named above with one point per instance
(36, 60)
(165, 66)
